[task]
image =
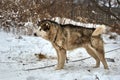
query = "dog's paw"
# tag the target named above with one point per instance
(58, 68)
(106, 68)
(96, 66)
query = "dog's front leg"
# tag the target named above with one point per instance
(61, 57)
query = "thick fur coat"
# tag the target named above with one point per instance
(68, 37)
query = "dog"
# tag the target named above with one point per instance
(68, 37)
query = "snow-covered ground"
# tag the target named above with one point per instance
(17, 54)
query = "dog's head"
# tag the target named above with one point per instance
(43, 29)
(46, 29)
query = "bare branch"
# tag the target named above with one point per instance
(109, 4)
(108, 11)
(118, 2)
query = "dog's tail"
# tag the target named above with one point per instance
(99, 30)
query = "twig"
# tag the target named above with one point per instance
(80, 59)
(39, 67)
(112, 50)
(8, 62)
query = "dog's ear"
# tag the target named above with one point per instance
(46, 27)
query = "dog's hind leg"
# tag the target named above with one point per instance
(98, 45)
(92, 52)
(101, 54)
(102, 59)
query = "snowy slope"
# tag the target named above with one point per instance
(17, 55)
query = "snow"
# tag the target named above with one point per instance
(17, 55)
(70, 21)
(28, 24)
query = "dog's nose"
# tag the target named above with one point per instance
(35, 34)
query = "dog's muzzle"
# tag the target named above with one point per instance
(35, 34)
